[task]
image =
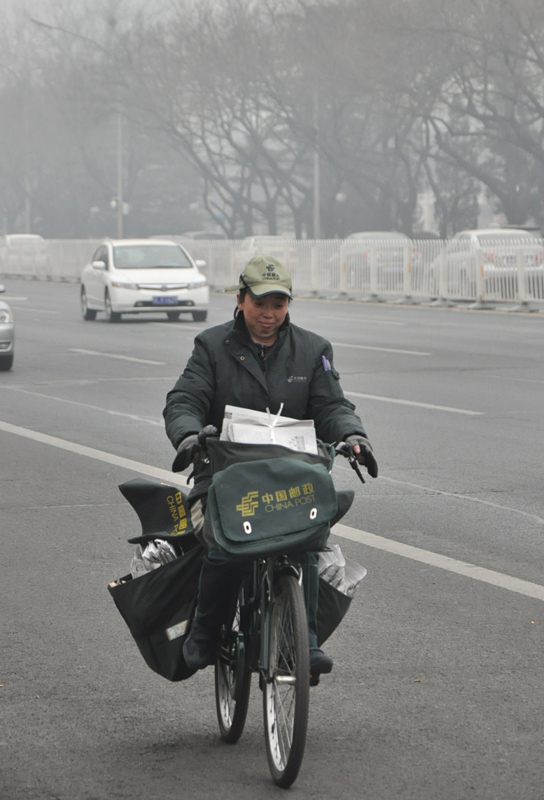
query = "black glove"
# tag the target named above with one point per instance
(187, 450)
(365, 456)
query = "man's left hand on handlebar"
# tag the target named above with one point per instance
(362, 450)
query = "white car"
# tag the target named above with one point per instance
(383, 252)
(498, 245)
(136, 276)
(7, 334)
(497, 253)
(23, 254)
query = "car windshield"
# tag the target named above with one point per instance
(150, 256)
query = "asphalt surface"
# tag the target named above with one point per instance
(437, 687)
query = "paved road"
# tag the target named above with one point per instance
(437, 687)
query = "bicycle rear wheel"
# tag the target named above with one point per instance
(286, 693)
(232, 682)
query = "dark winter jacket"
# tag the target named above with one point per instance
(226, 368)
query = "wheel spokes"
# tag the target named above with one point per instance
(283, 685)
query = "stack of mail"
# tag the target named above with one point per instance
(155, 554)
(262, 427)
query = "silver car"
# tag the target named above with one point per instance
(135, 276)
(7, 334)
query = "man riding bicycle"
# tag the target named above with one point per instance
(259, 360)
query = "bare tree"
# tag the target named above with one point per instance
(253, 110)
(488, 118)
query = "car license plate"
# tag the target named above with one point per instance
(165, 300)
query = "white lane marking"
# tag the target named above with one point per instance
(38, 310)
(99, 455)
(174, 378)
(456, 496)
(175, 327)
(381, 349)
(88, 405)
(114, 355)
(464, 568)
(514, 378)
(366, 319)
(90, 381)
(415, 403)
(470, 499)
(155, 422)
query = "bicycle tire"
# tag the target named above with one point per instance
(286, 692)
(232, 682)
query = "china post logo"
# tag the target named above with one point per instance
(277, 500)
(249, 504)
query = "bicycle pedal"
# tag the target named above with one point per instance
(314, 679)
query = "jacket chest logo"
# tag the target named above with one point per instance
(297, 378)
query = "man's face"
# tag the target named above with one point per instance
(264, 316)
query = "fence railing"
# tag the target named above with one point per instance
(403, 269)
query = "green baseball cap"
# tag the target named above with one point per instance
(264, 275)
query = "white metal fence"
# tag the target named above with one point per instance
(424, 269)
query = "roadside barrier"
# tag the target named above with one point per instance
(441, 272)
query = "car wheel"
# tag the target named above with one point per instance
(200, 316)
(173, 315)
(6, 362)
(111, 315)
(86, 312)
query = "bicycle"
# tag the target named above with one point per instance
(267, 634)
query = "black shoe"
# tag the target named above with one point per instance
(320, 662)
(199, 647)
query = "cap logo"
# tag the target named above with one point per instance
(271, 276)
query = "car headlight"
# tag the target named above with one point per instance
(198, 284)
(120, 285)
(5, 316)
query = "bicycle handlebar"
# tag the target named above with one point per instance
(346, 450)
(342, 448)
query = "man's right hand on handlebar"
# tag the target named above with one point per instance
(192, 448)
(188, 452)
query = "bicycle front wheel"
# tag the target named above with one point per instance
(286, 694)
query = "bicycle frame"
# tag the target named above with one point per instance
(256, 597)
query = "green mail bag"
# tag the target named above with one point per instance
(269, 506)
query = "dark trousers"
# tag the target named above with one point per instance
(220, 581)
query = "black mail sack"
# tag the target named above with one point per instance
(223, 453)
(272, 506)
(332, 607)
(158, 607)
(339, 579)
(163, 512)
